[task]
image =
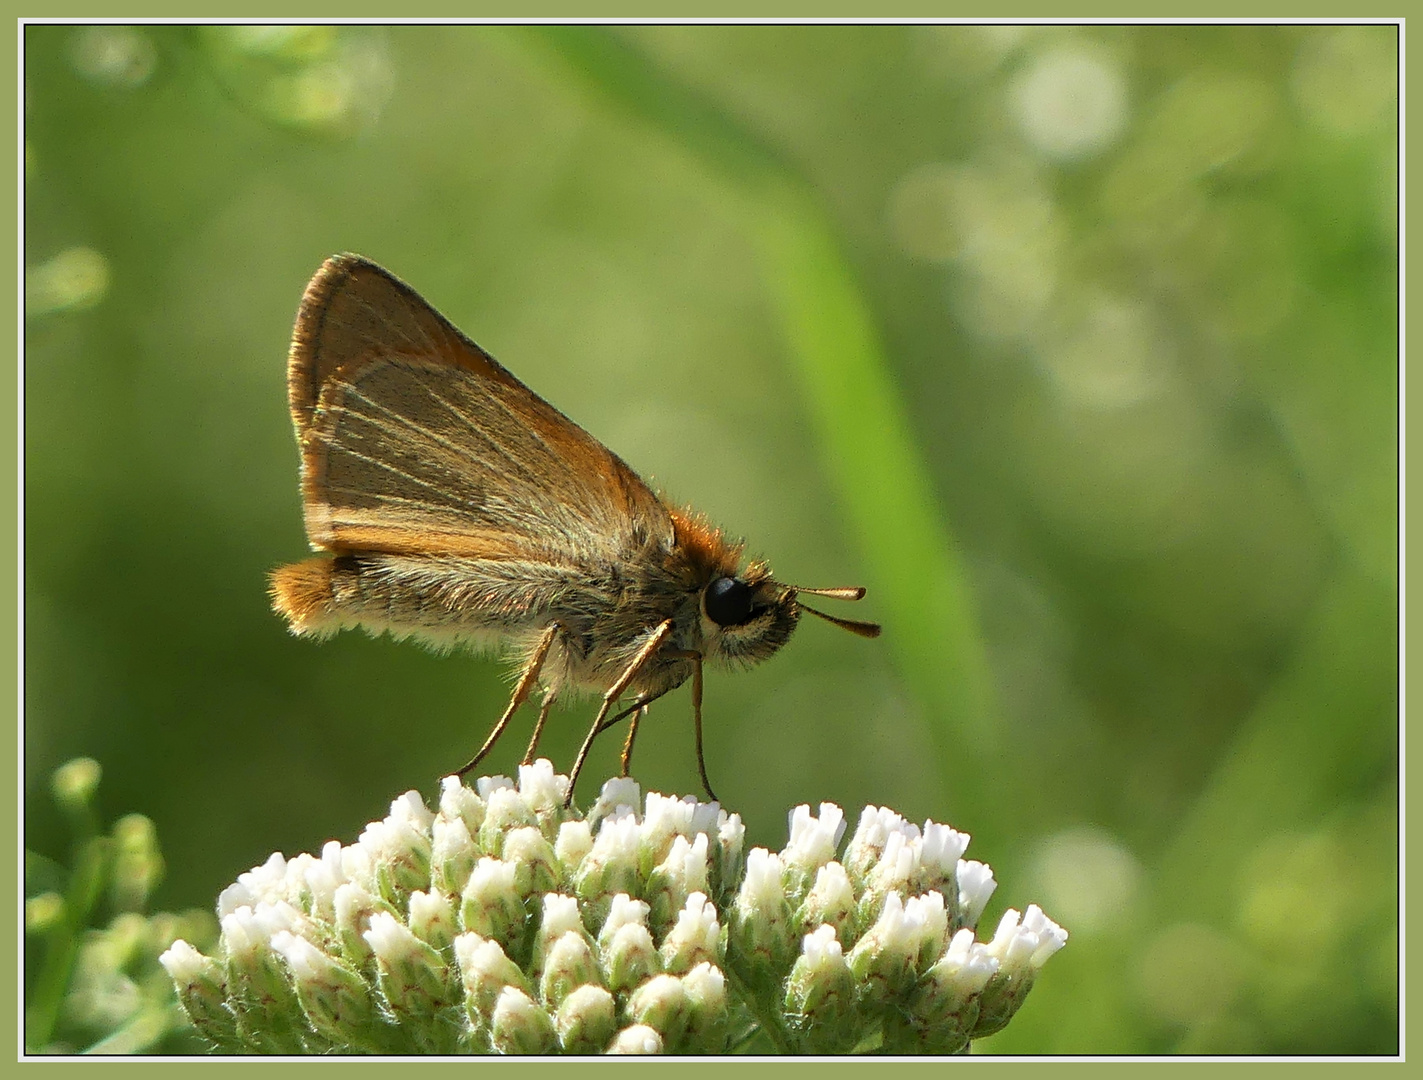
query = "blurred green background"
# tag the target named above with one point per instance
(1078, 346)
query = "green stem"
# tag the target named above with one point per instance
(85, 885)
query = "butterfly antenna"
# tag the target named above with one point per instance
(850, 592)
(853, 592)
(864, 629)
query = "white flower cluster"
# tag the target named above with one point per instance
(887, 955)
(503, 923)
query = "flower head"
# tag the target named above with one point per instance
(502, 922)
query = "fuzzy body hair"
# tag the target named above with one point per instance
(604, 613)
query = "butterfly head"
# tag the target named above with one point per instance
(748, 616)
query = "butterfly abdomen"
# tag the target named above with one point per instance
(443, 600)
(302, 593)
(322, 595)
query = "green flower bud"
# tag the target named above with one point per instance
(812, 844)
(574, 842)
(876, 825)
(886, 958)
(820, 996)
(519, 1026)
(728, 858)
(708, 1018)
(269, 1016)
(890, 875)
(695, 939)
(536, 865)
(759, 936)
(333, 997)
(1021, 948)
(43, 912)
(543, 792)
(629, 956)
(682, 873)
(504, 811)
(202, 991)
(138, 867)
(569, 965)
(413, 977)
(830, 902)
(965, 968)
(619, 796)
(666, 818)
(610, 867)
(123, 941)
(637, 1039)
(492, 905)
(432, 918)
(452, 854)
(75, 782)
(661, 1003)
(484, 973)
(936, 858)
(399, 847)
(586, 1020)
(459, 803)
(310, 884)
(353, 907)
(944, 1007)
(560, 915)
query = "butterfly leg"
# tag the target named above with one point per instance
(521, 694)
(696, 659)
(615, 691)
(640, 708)
(538, 729)
(697, 726)
(637, 716)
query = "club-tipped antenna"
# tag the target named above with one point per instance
(848, 592)
(864, 629)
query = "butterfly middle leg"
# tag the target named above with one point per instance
(637, 716)
(538, 728)
(600, 722)
(637, 710)
(527, 681)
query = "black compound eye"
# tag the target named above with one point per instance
(728, 601)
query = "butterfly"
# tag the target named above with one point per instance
(450, 503)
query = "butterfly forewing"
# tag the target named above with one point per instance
(404, 451)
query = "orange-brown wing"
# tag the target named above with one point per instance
(414, 440)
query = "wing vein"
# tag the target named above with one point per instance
(485, 439)
(390, 468)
